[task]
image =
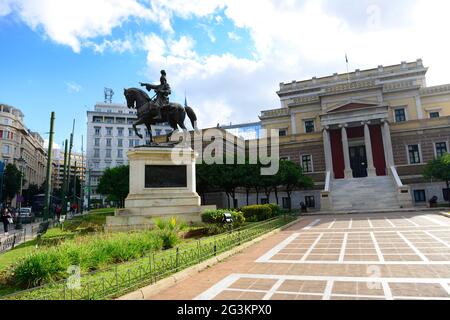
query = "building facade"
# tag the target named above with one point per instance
(18, 142)
(77, 167)
(109, 137)
(368, 131)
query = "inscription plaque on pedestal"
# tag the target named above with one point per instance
(161, 176)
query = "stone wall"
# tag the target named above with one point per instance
(426, 139)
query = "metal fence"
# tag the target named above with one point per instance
(126, 277)
(12, 240)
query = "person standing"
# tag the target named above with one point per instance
(6, 219)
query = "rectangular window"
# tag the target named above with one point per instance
(109, 120)
(119, 153)
(309, 126)
(120, 143)
(286, 202)
(310, 201)
(108, 153)
(400, 115)
(307, 163)
(96, 153)
(441, 149)
(6, 149)
(131, 143)
(445, 194)
(282, 132)
(130, 132)
(419, 196)
(97, 131)
(108, 142)
(434, 115)
(414, 154)
(120, 132)
(97, 142)
(109, 131)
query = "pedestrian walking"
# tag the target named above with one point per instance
(6, 219)
(58, 211)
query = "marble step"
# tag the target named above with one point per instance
(364, 193)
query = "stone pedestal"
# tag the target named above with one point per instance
(162, 184)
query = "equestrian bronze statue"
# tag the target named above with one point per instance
(158, 110)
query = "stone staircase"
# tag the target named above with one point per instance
(372, 193)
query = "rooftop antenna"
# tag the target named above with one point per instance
(108, 95)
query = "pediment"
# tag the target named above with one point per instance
(351, 106)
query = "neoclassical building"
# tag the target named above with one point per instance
(19, 142)
(364, 137)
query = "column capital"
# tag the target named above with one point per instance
(365, 122)
(343, 125)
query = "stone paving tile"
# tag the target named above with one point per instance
(359, 242)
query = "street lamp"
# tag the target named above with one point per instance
(22, 163)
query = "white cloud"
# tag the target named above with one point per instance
(209, 32)
(55, 145)
(116, 45)
(290, 40)
(73, 87)
(233, 36)
(294, 40)
(5, 7)
(71, 21)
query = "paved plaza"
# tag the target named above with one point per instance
(378, 256)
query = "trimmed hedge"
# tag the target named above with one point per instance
(256, 213)
(276, 210)
(216, 217)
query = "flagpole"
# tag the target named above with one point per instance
(348, 74)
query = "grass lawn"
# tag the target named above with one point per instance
(94, 218)
(117, 279)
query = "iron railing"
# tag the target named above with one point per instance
(125, 277)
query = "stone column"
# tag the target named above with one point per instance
(387, 144)
(348, 173)
(327, 150)
(293, 124)
(371, 172)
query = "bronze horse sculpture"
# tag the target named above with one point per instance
(147, 112)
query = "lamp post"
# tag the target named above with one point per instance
(22, 164)
(2, 168)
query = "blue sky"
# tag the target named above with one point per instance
(228, 55)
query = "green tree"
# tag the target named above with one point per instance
(291, 176)
(33, 189)
(439, 169)
(11, 182)
(115, 183)
(250, 180)
(204, 179)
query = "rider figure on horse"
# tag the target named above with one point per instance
(162, 93)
